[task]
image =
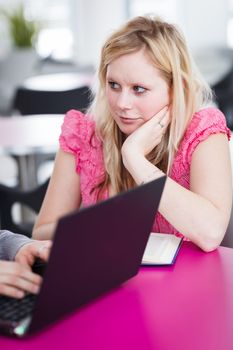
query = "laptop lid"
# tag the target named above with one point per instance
(95, 249)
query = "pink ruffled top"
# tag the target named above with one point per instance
(79, 138)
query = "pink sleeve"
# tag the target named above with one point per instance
(204, 123)
(76, 130)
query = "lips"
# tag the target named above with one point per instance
(127, 120)
(128, 117)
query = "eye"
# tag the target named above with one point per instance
(139, 89)
(113, 85)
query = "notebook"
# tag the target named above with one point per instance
(95, 249)
(161, 249)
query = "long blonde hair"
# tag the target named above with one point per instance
(168, 52)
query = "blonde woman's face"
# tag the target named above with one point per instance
(135, 90)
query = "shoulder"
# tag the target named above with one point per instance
(205, 122)
(210, 118)
(76, 129)
(76, 122)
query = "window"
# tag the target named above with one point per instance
(167, 9)
(230, 25)
(55, 37)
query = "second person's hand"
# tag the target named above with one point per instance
(27, 254)
(17, 279)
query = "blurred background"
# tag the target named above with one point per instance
(69, 34)
(49, 50)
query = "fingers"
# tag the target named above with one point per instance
(43, 250)
(36, 249)
(164, 122)
(160, 115)
(161, 120)
(163, 115)
(16, 279)
(25, 258)
(162, 112)
(10, 291)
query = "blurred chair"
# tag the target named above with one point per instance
(28, 101)
(35, 102)
(223, 91)
(31, 199)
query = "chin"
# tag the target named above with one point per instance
(127, 130)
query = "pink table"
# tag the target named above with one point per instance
(186, 306)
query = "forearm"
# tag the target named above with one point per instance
(140, 168)
(191, 214)
(44, 231)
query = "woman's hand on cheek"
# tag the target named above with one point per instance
(148, 136)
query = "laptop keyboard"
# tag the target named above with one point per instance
(15, 310)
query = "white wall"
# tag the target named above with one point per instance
(204, 22)
(92, 21)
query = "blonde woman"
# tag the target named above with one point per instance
(149, 118)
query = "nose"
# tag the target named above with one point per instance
(124, 100)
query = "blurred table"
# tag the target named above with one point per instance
(24, 137)
(58, 81)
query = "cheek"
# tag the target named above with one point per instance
(152, 105)
(110, 98)
(149, 108)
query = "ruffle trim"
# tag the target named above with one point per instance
(77, 131)
(206, 122)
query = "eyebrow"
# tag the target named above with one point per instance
(146, 85)
(142, 84)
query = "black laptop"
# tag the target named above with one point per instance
(95, 249)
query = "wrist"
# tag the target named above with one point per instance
(155, 174)
(130, 157)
